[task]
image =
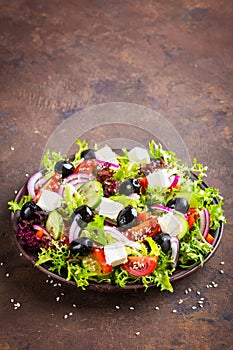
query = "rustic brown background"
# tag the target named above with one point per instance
(58, 57)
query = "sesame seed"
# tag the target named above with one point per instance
(74, 305)
(200, 301)
(117, 307)
(131, 308)
(222, 263)
(51, 281)
(194, 307)
(180, 301)
(71, 314)
(198, 293)
(186, 291)
(65, 316)
(55, 285)
(12, 148)
(137, 333)
(47, 281)
(174, 311)
(215, 285)
(221, 271)
(26, 174)
(156, 308)
(201, 305)
(59, 284)
(12, 300)
(62, 294)
(1, 263)
(57, 298)
(20, 254)
(189, 289)
(7, 274)
(202, 298)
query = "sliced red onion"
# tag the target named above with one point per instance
(32, 182)
(175, 181)
(175, 247)
(115, 233)
(78, 179)
(204, 222)
(61, 191)
(109, 163)
(74, 231)
(163, 209)
(39, 227)
(134, 196)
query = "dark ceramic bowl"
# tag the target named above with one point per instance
(178, 274)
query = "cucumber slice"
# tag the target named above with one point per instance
(189, 196)
(92, 192)
(54, 224)
(174, 224)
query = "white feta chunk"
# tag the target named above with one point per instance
(115, 254)
(159, 178)
(49, 200)
(170, 224)
(139, 155)
(109, 208)
(106, 154)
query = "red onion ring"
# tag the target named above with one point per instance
(31, 184)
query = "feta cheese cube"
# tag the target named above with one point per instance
(109, 208)
(170, 224)
(159, 178)
(106, 154)
(115, 254)
(139, 155)
(49, 200)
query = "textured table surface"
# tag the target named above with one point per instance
(59, 57)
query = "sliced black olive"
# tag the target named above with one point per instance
(81, 245)
(28, 210)
(88, 154)
(64, 168)
(127, 217)
(164, 240)
(83, 215)
(129, 186)
(179, 204)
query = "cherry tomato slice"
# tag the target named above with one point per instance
(144, 215)
(148, 228)
(88, 166)
(139, 266)
(100, 257)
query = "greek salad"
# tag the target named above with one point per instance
(125, 217)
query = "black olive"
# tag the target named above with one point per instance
(127, 217)
(83, 215)
(179, 204)
(88, 154)
(64, 168)
(81, 245)
(129, 186)
(164, 240)
(28, 210)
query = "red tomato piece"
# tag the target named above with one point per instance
(144, 215)
(139, 266)
(100, 257)
(88, 166)
(209, 238)
(148, 228)
(144, 184)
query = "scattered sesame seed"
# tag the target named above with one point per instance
(47, 281)
(26, 174)
(198, 293)
(55, 285)
(186, 291)
(202, 298)
(15, 191)
(1, 263)
(74, 305)
(7, 274)
(117, 307)
(12, 300)
(174, 311)
(65, 316)
(189, 289)
(62, 294)
(71, 314)
(57, 298)
(51, 281)
(201, 305)
(215, 285)
(156, 308)
(20, 254)
(222, 263)
(131, 308)
(59, 284)
(180, 301)
(194, 307)
(207, 286)
(12, 148)
(221, 271)
(200, 301)
(137, 333)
